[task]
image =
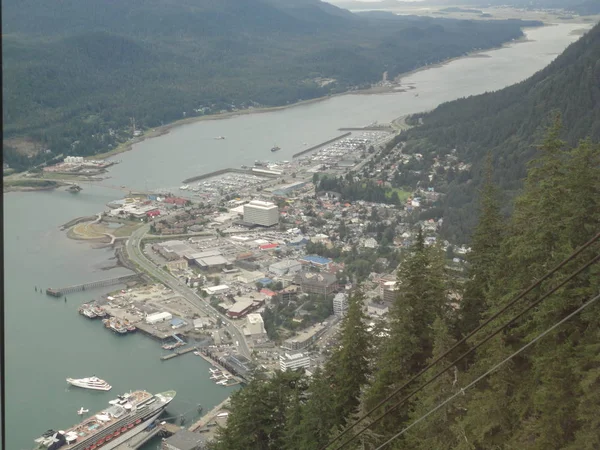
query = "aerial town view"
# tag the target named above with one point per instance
(315, 239)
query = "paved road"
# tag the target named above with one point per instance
(136, 255)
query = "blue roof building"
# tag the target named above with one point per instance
(316, 260)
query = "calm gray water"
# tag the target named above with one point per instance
(48, 341)
(191, 149)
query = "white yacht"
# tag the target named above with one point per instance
(90, 383)
(185, 187)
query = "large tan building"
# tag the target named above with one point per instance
(262, 213)
(389, 290)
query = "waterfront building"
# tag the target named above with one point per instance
(184, 440)
(340, 304)
(158, 317)
(294, 361)
(262, 213)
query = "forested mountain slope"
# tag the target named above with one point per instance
(75, 69)
(508, 123)
(529, 378)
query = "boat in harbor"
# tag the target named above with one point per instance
(87, 311)
(275, 148)
(219, 138)
(111, 427)
(99, 311)
(94, 383)
(185, 187)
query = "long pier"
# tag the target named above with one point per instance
(94, 284)
(314, 147)
(177, 353)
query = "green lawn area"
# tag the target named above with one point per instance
(402, 195)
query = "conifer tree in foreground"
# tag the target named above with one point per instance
(543, 399)
(485, 249)
(420, 298)
(349, 366)
(335, 392)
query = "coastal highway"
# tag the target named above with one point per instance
(135, 254)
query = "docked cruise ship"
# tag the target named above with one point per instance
(90, 383)
(125, 417)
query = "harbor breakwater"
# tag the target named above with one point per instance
(314, 147)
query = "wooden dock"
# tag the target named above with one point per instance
(94, 284)
(177, 353)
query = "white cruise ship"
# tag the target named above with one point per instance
(90, 383)
(111, 428)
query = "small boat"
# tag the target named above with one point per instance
(131, 328)
(275, 148)
(197, 353)
(82, 411)
(219, 138)
(185, 187)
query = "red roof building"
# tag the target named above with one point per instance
(269, 246)
(153, 213)
(176, 201)
(268, 292)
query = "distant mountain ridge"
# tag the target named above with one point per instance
(508, 123)
(76, 71)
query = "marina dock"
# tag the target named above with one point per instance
(209, 416)
(230, 170)
(314, 147)
(177, 353)
(94, 284)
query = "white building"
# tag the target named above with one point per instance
(370, 243)
(340, 304)
(74, 160)
(158, 317)
(254, 330)
(262, 213)
(288, 266)
(293, 361)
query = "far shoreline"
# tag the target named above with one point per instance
(396, 88)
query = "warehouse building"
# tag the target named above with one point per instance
(158, 317)
(288, 266)
(261, 213)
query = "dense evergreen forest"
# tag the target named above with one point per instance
(547, 397)
(76, 71)
(507, 124)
